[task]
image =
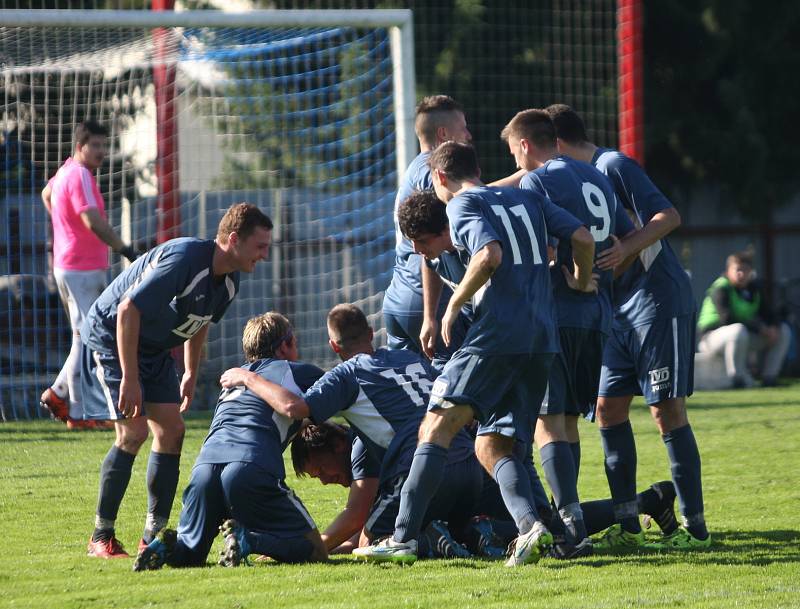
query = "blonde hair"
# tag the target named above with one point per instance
(264, 334)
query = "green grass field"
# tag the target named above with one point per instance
(749, 441)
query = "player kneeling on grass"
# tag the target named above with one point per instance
(237, 484)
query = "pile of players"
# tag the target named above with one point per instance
(515, 309)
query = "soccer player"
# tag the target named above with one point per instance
(500, 371)
(584, 319)
(736, 321)
(382, 394)
(651, 348)
(164, 299)
(81, 238)
(238, 477)
(439, 118)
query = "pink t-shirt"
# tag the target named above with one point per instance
(75, 248)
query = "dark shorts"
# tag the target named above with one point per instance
(244, 491)
(455, 500)
(655, 360)
(402, 332)
(575, 374)
(504, 391)
(101, 376)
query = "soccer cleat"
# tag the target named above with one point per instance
(109, 548)
(155, 554)
(530, 547)
(664, 514)
(681, 539)
(490, 544)
(389, 550)
(58, 407)
(617, 538)
(236, 548)
(441, 542)
(568, 551)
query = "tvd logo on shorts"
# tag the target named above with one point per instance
(659, 378)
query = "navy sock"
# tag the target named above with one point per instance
(619, 447)
(559, 469)
(290, 549)
(515, 488)
(424, 477)
(115, 473)
(523, 451)
(684, 458)
(163, 471)
(575, 447)
(598, 515)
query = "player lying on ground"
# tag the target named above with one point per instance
(237, 482)
(382, 394)
(334, 455)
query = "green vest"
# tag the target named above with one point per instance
(741, 309)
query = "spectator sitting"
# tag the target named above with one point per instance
(735, 322)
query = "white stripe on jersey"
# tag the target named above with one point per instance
(101, 378)
(86, 184)
(193, 283)
(231, 287)
(363, 415)
(675, 359)
(296, 502)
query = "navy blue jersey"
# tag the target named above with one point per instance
(514, 311)
(245, 428)
(174, 289)
(383, 396)
(363, 463)
(585, 193)
(404, 294)
(656, 283)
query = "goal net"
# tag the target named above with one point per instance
(307, 116)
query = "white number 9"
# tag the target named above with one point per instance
(598, 206)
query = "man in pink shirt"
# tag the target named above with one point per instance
(81, 237)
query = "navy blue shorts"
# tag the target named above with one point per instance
(101, 376)
(455, 501)
(402, 332)
(575, 374)
(654, 360)
(504, 391)
(244, 491)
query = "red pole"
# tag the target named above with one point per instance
(168, 207)
(630, 54)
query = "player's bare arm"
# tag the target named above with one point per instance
(192, 350)
(130, 391)
(99, 226)
(659, 226)
(512, 180)
(481, 267)
(583, 279)
(354, 516)
(431, 292)
(280, 399)
(46, 194)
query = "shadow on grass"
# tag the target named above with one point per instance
(754, 548)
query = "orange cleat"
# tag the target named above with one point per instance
(110, 548)
(58, 407)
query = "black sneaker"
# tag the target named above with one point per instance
(568, 551)
(490, 544)
(442, 543)
(664, 513)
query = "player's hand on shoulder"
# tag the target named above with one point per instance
(234, 377)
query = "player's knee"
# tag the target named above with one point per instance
(550, 428)
(669, 415)
(170, 439)
(131, 437)
(490, 448)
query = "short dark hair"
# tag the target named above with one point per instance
(242, 219)
(433, 112)
(86, 129)
(745, 258)
(569, 125)
(314, 438)
(422, 213)
(534, 125)
(458, 161)
(264, 334)
(347, 325)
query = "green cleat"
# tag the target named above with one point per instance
(389, 550)
(617, 538)
(680, 540)
(529, 548)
